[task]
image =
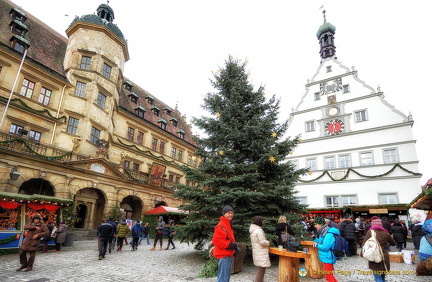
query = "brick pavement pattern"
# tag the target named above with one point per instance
(80, 263)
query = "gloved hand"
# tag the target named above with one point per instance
(232, 246)
(315, 244)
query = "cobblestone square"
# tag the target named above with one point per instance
(80, 263)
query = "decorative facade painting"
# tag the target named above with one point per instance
(156, 174)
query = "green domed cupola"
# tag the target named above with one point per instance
(325, 36)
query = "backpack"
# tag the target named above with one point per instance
(371, 249)
(341, 247)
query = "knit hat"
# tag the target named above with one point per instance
(374, 217)
(376, 222)
(320, 220)
(226, 209)
(160, 217)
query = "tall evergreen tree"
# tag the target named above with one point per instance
(243, 159)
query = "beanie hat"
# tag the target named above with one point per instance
(374, 217)
(320, 220)
(376, 222)
(160, 217)
(226, 209)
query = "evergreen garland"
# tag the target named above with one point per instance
(27, 107)
(147, 152)
(326, 172)
(8, 239)
(49, 158)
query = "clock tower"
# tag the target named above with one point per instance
(359, 148)
(325, 36)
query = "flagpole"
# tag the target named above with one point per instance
(13, 87)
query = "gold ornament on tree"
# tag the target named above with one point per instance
(272, 159)
(274, 134)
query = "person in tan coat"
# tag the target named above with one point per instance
(260, 245)
(383, 237)
(36, 230)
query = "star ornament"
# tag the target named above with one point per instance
(274, 134)
(272, 159)
(218, 114)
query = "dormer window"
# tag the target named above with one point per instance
(19, 43)
(162, 123)
(18, 15)
(149, 100)
(168, 111)
(140, 112)
(174, 122)
(18, 28)
(128, 86)
(156, 111)
(134, 97)
(181, 134)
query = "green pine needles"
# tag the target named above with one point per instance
(243, 158)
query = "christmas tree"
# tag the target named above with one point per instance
(243, 159)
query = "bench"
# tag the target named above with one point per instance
(289, 264)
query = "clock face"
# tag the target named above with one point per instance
(334, 127)
(333, 111)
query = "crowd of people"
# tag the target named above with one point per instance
(324, 232)
(111, 234)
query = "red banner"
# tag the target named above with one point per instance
(52, 208)
(36, 206)
(9, 205)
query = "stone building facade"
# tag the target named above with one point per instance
(73, 126)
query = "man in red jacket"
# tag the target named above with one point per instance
(225, 244)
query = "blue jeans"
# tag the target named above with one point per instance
(145, 236)
(379, 278)
(224, 269)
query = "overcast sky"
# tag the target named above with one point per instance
(175, 46)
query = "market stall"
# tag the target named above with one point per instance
(336, 214)
(17, 209)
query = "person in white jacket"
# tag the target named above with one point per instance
(260, 245)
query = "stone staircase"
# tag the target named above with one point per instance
(82, 234)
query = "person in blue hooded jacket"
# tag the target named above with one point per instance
(325, 243)
(137, 229)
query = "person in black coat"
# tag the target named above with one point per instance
(399, 234)
(46, 239)
(347, 230)
(385, 223)
(104, 231)
(281, 226)
(417, 233)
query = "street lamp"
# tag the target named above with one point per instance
(14, 174)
